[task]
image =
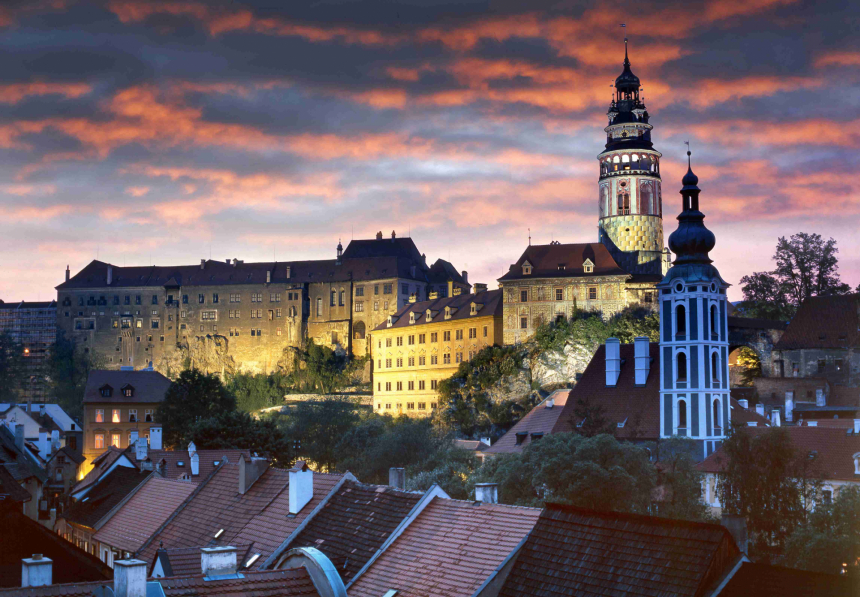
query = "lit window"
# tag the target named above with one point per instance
(115, 440)
(99, 441)
(114, 416)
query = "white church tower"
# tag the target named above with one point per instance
(694, 371)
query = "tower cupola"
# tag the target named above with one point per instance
(627, 82)
(692, 241)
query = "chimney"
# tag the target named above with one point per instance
(641, 348)
(268, 277)
(129, 578)
(36, 571)
(774, 417)
(218, 561)
(487, 493)
(19, 437)
(68, 273)
(44, 446)
(820, 400)
(133, 435)
(55, 440)
(479, 287)
(141, 450)
(759, 408)
(487, 441)
(413, 298)
(856, 426)
(379, 235)
(289, 272)
(737, 527)
(465, 275)
(202, 263)
(811, 423)
(249, 471)
(161, 467)
(397, 477)
(550, 402)
(789, 407)
(195, 464)
(301, 486)
(613, 361)
(109, 274)
(450, 287)
(42, 410)
(744, 403)
(458, 291)
(191, 449)
(155, 437)
(393, 235)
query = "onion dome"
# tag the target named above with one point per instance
(627, 81)
(692, 241)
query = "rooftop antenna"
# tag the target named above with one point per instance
(689, 153)
(530, 236)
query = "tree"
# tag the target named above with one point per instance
(680, 482)
(591, 414)
(68, 369)
(831, 537)
(194, 396)
(769, 483)
(323, 368)
(806, 266)
(239, 430)
(256, 391)
(448, 467)
(12, 369)
(316, 428)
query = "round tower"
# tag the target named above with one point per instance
(630, 199)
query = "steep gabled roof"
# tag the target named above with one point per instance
(101, 465)
(149, 386)
(449, 550)
(540, 420)
(172, 458)
(105, 496)
(762, 580)
(574, 551)
(186, 561)
(824, 322)
(10, 489)
(564, 261)
(744, 416)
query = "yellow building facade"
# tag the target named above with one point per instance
(424, 343)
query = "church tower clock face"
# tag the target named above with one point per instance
(630, 211)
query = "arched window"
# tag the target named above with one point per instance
(615, 160)
(625, 158)
(682, 417)
(718, 428)
(715, 322)
(358, 331)
(624, 203)
(681, 366)
(680, 320)
(342, 298)
(715, 366)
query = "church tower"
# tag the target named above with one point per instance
(630, 204)
(694, 347)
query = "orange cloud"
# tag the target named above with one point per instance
(15, 92)
(839, 59)
(137, 191)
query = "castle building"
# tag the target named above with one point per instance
(552, 281)
(33, 326)
(425, 342)
(694, 346)
(224, 316)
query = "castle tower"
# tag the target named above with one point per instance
(694, 347)
(630, 200)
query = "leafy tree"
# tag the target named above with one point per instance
(750, 366)
(68, 369)
(448, 467)
(591, 413)
(239, 430)
(806, 266)
(256, 391)
(193, 397)
(323, 367)
(771, 490)
(316, 428)
(12, 369)
(679, 483)
(831, 537)
(592, 472)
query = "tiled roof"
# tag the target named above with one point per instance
(382, 247)
(106, 495)
(490, 304)
(144, 513)
(20, 464)
(449, 550)
(101, 464)
(473, 445)
(761, 580)
(149, 386)
(185, 561)
(354, 523)
(637, 407)
(564, 261)
(834, 450)
(260, 516)
(73, 455)
(172, 458)
(22, 537)
(573, 551)
(295, 582)
(824, 322)
(743, 416)
(10, 489)
(28, 305)
(540, 419)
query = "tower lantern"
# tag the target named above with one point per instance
(630, 199)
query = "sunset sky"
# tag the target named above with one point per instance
(150, 131)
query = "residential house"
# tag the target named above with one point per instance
(540, 421)
(51, 417)
(21, 460)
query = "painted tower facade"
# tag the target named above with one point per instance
(694, 348)
(630, 199)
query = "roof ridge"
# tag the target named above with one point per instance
(555, 506)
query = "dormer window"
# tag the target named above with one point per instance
(128, 391)
(561, 267)
(527, 268)
(447, 312)
(521, 437)
(412, 317)
(588, 266)
(391, 320)
(106, 391)
(474, 308)
(429, 315)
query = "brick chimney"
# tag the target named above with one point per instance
(268, 277)
(195, 464)
(36, 571)
(737, 527)
(218, 561)
(465, 275)
(129, 578)
(450, 288)
(397, 478)
(487, 493)
(479, 287)
(613, 361)
(301, 486)
(641, 348)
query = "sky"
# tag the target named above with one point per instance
(166, 131)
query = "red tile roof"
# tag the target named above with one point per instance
(540, 419)
(834, 451)
(824, 322)
(547, 259)
(573, 551)
(149, 386)
(743, 416)
(449, 549)
(762, 580)
(144, 513)
(207, 459)
(106, 495)
(186, 561)
(354, 523)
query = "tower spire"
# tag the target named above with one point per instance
(692, 241)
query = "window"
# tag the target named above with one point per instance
(138, 323)
(275, 297)
(359, 291)
(421, 338)
(411, 361)
(524, 296)
(623, 203)
(459, 334)
(410, 385)
(648, 297)
(99, 441)
(388, 342)
(100, 415)
(376, 289)
(718, 428)
(386, 289)
(446, 336)
(680, 320)
(256, 297)
(128, 391)
(214, 297)
(715, 325)
(410, 406)
(385, 305)
(209, 315)
(559, 294)
(132, 415)
(399, 340)
(201, 298)
(821, 365)
(422, 405)
(715, 367)
(147, 416)
(115, 439)
(137, 299)
(410, 340)
(434, 336)
(388, 363)
(319, 307)
(235, 297)
(446, 358)
(422, 360)
(115, 417)
(359, 306)
(399, 386)
(433, 384)
(155, 323)
(524, 322)
(682, 417)
(376, 305)
(681, 366)
(592, 293)
(473, 333)
(400, 362)
(106, 392)
(458, 357)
